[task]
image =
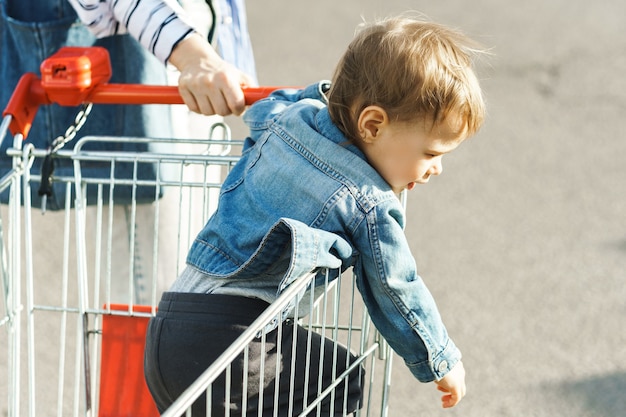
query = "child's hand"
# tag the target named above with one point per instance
(453, 386)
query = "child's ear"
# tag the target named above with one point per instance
(371, 120)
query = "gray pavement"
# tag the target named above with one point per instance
(523, 239)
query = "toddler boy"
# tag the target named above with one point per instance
(317, 186)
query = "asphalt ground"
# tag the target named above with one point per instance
(522, 240)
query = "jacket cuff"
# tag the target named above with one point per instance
(438, 366)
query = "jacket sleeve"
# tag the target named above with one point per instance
(398, 301)
(159, 25)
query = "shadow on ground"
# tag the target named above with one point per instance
(599, 396)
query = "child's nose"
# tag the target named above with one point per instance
(437, 168)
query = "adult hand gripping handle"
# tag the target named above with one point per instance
(74, 75)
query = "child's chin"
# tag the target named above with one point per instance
(416, 183)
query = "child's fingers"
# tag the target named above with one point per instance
(449, 400)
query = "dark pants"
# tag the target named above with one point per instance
(190, 331)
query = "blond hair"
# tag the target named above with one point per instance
(411, 68)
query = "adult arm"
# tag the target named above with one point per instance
(207, 83)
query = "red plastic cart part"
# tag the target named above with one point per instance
(76, 75)
(69, 75)
(123, 390)
(24, 103)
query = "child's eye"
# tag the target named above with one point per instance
(431, 155)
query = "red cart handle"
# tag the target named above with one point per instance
(158, 94)
(74, 75)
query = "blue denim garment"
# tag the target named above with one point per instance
(302, 197)
(31, 31)
(233, 39)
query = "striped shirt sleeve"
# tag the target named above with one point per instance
(159, 25)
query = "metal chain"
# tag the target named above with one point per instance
(47, 166)
(71, 131)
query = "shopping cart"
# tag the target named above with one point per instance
(72, 337)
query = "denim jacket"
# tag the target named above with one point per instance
(303, 197)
